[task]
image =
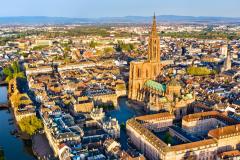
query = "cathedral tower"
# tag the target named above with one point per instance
(154, 43)
(227, 63)
(150, 69)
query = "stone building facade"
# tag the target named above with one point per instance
(201, 123)
(226, 138)
(141, 71)
(144, 86)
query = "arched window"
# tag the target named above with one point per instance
(155, 51)
(139, 73)
(132, 73)
(139, 86)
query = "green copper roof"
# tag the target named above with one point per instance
(155, 85)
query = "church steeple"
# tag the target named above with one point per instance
(154, 43)
(227, 63)
(154, 25)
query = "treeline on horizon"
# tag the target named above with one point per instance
(104, 31)
(202, 35)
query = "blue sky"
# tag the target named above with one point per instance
(118, 8)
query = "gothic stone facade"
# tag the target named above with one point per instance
(141, 71)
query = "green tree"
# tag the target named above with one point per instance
(200, 71)
(13, 71)
(30, 125)
(121, 46)
(205, 34)
(1, 154)
(167, 138)
(108, 50)
(67, 49)
(93, 44)
(39, 48)
(118, 47)
(123, 126)
(99, 52)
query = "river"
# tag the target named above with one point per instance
(122, 114)
(3, 95)
(14, 148)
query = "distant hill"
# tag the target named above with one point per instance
(128, 19)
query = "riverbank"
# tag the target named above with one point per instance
(4, 106)
(1, 154)
(14, 147)
(3, 83)
(15, 130)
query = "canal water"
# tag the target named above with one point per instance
(14, 148)
(122, 114)
(3, 95)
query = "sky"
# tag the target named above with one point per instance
(118, 8)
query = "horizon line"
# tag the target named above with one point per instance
(115, 16)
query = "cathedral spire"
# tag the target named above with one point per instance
(154, 43)
(154, 25)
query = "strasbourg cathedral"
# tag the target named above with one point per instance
(144, 83)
